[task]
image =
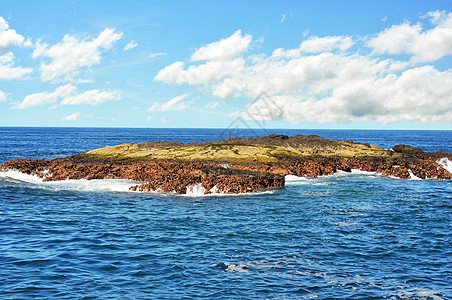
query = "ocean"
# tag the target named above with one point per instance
(345, 236)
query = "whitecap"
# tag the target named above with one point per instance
(295, 180)
(235, 268)
(19, 177)
(361, 172)
(417, 293)
(84, 185)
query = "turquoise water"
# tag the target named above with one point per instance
(354, 236)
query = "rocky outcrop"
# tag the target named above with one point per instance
(224, 167)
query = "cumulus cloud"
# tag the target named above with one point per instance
(45, 98)
(199, 74)
(72, 117)
(331, 79)
(175, 103)
(68, 97)
(130, 45)
(224, 49)
(316, 44)
(8, 70)
(417, 95)
(70, 55)
(9, 37)
(423, 45)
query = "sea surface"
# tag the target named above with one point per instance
(344, 236)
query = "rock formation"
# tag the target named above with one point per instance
(234, 165)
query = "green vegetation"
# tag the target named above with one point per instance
(236, 153)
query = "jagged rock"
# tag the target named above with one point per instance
(216, 167)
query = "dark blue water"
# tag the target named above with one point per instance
(343, 236)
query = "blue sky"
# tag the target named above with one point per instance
(274, 64)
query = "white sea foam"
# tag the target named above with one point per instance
(445, 163)
(412, 176)
(361, 172)
(417, 293)
(235, 268)
(19, 177)
(295, 180)
(196, 190)
(107, 185)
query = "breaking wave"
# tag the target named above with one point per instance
(296, 180)
(83, 185)
(104, 185)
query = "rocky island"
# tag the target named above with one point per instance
(234, 165)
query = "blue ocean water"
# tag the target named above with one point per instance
(354, 236)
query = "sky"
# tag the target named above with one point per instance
(219, 64)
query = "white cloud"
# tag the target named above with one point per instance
(7, 69)
(326, 80)
(418, 95)
(200, 74)
(9, 37)
(92, 97)
(212, 105)
(66, 93)
(175, 103)
(130, 45)
(149, 118)
(316, 44)
(44, 98)
(156, 54)
(6, 58)
(423, 45)
(283, 18)
(72, 117)
(2, 96)
(71, 54)
(324, 44)
(224, 49)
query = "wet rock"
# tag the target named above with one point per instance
(177, 176)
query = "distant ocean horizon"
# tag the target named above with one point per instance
(352, 235)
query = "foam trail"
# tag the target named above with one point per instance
(94, 185)
(445, 163)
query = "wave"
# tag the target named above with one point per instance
(105, 185)
(197, 190)
(296, 180)
(82, 185)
